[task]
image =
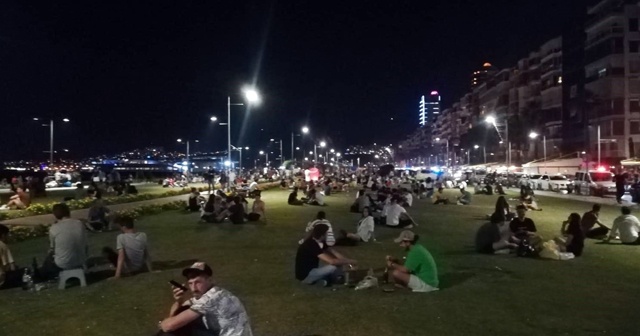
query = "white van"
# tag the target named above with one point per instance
(594, 183)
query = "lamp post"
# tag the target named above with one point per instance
(267, 158)
(187, 142)
(304, 130)
(239, 149)
(484, 152)
(51, 136)
(492, 121)
(252, 96)
(315, 149)
(534, 135)
(447, 160)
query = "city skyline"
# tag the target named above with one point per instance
(145, 80)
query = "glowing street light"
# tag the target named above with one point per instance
(214, 118)
(51, 151)
(253, 97)
(322, 143)
(534, 135)
(305, 130)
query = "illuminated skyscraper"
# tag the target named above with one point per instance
(479, 77)
(429, 109)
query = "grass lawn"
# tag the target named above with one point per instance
(480, 295)
(54, 195)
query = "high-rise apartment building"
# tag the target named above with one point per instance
(429, 109)
(479, 77)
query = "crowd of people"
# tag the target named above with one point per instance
(200, 305)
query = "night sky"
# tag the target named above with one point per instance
(136, 73)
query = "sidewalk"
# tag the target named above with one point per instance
(607, 200)
(82, 213)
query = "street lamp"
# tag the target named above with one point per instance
(315, 149)
(281, 158)
(239, 149)
(187, 142)
(253, 97)
(484, 152)
(304, 130)
(491, 120)
(266, 159)
(51, 136)
(534, 135)
(447, 160)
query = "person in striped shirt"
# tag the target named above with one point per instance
(321, 218)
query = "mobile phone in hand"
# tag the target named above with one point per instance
(177, 285)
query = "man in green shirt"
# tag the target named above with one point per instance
(419, 272)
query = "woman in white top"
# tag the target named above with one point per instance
(364, 231)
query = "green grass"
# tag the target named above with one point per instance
(481, 295)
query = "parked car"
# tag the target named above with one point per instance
(533, 181)
(594, 183)
(553, 182)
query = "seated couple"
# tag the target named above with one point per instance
(21, 200)
(496, 237)
(419, 272)
(316, 197)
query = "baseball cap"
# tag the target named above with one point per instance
(199, 267)
(405, 235)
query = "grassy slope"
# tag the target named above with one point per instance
(481, 295)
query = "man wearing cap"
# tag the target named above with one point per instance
(419, 272)
(211, 311)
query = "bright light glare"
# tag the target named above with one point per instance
(251, 95)
(377, 156)
(261, 152)
(601, 169)
(332, 150)
(227, 163)
(297, 148)
(437, 139)
(213, 119)
(322, 144)
(306, 159)
(36, 119)
(179, 140)
(491, 120)
(246, 148)
(305, 129)
(476, 146)
(310, 152)
(533, 135)
(338, 155)
(65, 120)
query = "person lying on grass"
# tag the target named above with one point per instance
(132, 254)
(315, 249)
(419, 272)
(207, 310)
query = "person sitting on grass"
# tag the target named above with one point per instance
(211, 310)
(500, 189)
(321, 218)
(488, 189)
(20, 200)
(315, 249)
(236, 212)
(131, 255)
(573, 236)
(408, 198)
(419, 272)
(253, 188)
(79, 191)
(364, 231)
(193, 203)
(589, 220)
(464, 198)
(521, 226)
(396, 216)
(439, 197)
(627, 227)
(495, 236)
(212, 209)
(529, 201)
(258, 209)
(293, 197)
(315, 197)
(503, 208)
(10, 274)
(68, 244)
(98, 216)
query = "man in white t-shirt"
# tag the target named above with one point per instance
(627, 226)
(396, 215)
(132, 254)
(68, 244)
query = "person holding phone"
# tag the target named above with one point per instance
(208, 310)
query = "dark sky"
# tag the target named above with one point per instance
(137, 73)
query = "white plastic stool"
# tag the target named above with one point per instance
(65, 275)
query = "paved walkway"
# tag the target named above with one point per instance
(82, 213)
